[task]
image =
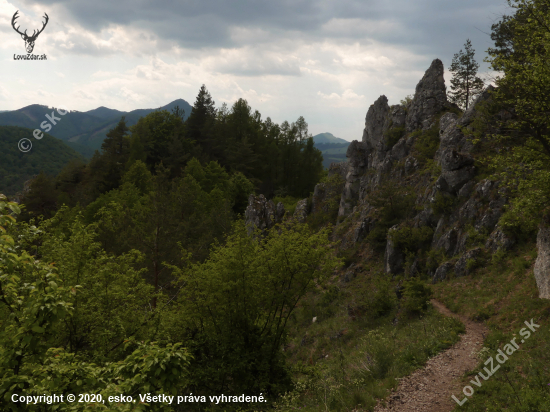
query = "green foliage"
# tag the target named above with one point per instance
(392, 136)
(288, 201)
(326, 209)
(240, 188)
(139, 176)
(111, 293)
(465, 85)
(235, 306)
(519, 136)
(407, 100)
(377, 237)
(426, 143)
(393, 202)
(417, 295)
(443, 204)
(48, 155)
(383, 300)
(411, 239)
(434, 258)
(40, 301)
(476, 237)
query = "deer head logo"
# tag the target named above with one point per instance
(29, 40)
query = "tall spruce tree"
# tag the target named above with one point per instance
(201, 121)
(465, 85)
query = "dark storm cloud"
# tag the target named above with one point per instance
(209, 23)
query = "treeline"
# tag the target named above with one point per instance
(277, 159)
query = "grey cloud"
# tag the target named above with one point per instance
(207, 23)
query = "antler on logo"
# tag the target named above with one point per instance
(29, 40)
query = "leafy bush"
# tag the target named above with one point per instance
(393, 202)
(327, 210)
(476, 237)
(383, 300)
(417, 296)
(434, 258)
(289, 202)
(443, 203)
(426, 143)
(377, 237)
(411, 238)
(392, 136)
(407, 100)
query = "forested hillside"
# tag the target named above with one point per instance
(209, 255)
(48, 155)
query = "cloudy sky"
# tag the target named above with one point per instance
(326, 60)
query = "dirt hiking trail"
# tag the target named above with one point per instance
(430, 388)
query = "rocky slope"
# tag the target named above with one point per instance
(422, 152)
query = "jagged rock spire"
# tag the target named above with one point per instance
(430, 98)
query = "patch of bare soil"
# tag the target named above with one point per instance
(430, 388)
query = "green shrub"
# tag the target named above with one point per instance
(499, 256)
(443, 203)
(417, 296)
(349, 255)
(434, 258)
(407, 100)
(426, 143)
(411, 238)
(476, 237)
(392, 136)
(288, 201)
(327, 212)
(383, 300)
(377, 237)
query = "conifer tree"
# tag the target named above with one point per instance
(465, 84)
(201, 119)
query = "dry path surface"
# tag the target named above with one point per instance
(430, 388)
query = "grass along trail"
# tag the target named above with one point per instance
(431, 387)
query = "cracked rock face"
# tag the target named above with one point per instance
(442, 272)
(357, 154)
(461, 267)
(542, 264)
(300, 213)
(375, 121)
(262, 213)
(393, 257)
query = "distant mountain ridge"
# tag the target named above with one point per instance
(83, 131)
(333, 148)
(324, 138)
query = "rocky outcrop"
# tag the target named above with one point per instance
(357, 155)
(262, 214)
(499, 240)
(430, 98)
(376, 123)
(325, 194)
(468, 261)
(300, 213)
(462, 212)
(542, 264)
(456, 170)
(442, 272)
